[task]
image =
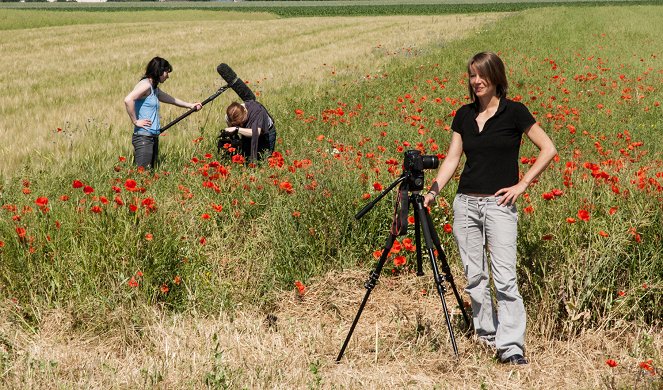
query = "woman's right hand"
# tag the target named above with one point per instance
(428, 199)
(144, 123)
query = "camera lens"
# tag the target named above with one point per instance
(430, 161)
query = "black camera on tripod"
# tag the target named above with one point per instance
(411, 182)
(414, 164)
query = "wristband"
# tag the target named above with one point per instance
(433, 193)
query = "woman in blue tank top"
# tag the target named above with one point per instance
(142, 105)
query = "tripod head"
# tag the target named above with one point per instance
(412, 178)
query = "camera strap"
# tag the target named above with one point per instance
(401, 210)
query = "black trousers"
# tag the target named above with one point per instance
(146, 150)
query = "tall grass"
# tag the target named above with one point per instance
(591, 77)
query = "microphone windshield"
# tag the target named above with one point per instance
(241, 89)
(226, 73)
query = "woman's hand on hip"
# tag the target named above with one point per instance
(510, 194)
(144, 123)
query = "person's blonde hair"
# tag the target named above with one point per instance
(236, 114)
(490, 66)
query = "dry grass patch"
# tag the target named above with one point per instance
(401, 342)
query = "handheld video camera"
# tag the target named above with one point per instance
(228, 144)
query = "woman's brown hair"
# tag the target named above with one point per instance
(490, 66)
(236, 114)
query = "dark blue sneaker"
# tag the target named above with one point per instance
(517, 360)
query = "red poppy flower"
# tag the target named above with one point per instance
(611, 363)
(366, 196)
(448, 228)
(396, 247)
(164, 288)
(149, 236)
(583, 215)
(21, 232)
(399, 261)
(87, 190)
(377, 186)
(408, 245)
(130, 184)
(177, 280)
(603, 234)
(42, 201)
(301, 288)
(238, 159)
(286, 186)
(95, 209)
(647, 366)
(132, 282)
(77, 184)
(205, 216)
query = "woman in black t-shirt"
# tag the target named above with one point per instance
(488, 131)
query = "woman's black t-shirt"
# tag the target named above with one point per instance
(492, 154)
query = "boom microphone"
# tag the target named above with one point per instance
(234, 82)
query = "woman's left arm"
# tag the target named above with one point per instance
(166, 98)
(243, 131)
(547, 152)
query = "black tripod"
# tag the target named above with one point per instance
(422, 223)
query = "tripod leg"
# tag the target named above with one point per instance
(417, 242)
(429, 231)
(370, 284)
(446, 269)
